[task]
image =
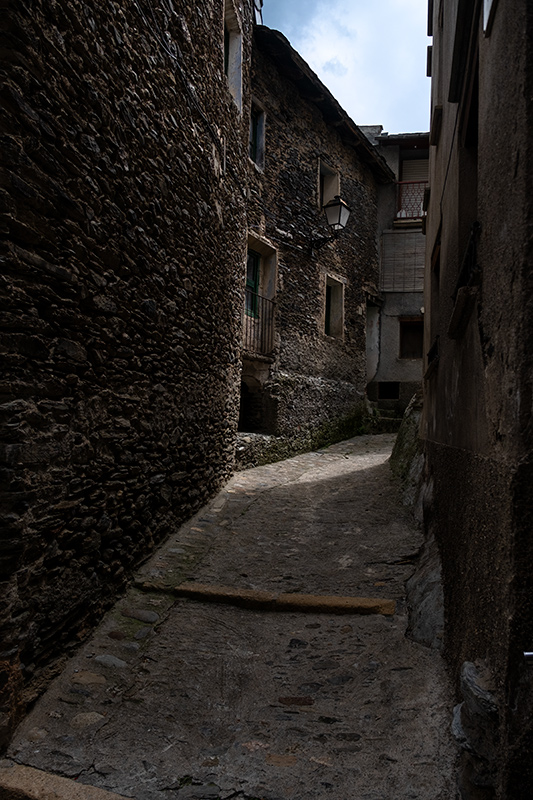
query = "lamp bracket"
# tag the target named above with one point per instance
(318, 243)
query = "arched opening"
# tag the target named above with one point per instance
(251, 408)
(256, 413)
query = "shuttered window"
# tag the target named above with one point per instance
(402, 261)
(416, 170)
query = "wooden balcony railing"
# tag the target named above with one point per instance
(411, 199)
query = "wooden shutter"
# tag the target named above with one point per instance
(415, 170)
(402, 261)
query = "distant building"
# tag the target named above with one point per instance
(478, 381)
(395, 325)
(304, 367)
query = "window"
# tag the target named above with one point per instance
(402, 261)
(411, 337)
(260, 291)
(329, 183)
(334, 310)
(253, 272)
(388, 390)
(256, 149)
(233, 52)
(411, 188)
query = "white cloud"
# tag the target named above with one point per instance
(372, 56)
(335, 67)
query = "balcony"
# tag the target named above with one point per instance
(411, 200)
(258, 325)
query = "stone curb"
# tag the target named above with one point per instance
(18, 782)
(269, 601)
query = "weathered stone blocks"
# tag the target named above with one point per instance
(122, 285)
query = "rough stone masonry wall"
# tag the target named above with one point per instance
(316, 379)
(122, 289)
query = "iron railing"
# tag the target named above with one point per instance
(411, 199)
(258, 333)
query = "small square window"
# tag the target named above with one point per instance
(260, 291)
(411, 337)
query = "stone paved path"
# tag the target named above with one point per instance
(179, 700)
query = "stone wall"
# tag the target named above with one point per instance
(122, 208)
(477, 418)
(424, 588)
(256, 449)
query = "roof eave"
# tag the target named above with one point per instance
(291, 64)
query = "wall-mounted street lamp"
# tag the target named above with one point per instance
(337, 213)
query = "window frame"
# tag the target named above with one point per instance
(253, 282)
(232, 51)
(334, 307)
(329, 183)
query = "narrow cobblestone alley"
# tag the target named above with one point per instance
(176, 698)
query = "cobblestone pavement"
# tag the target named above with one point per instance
(182, 700)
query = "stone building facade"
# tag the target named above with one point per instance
(477, 419)
(306, 377)
(123, 209)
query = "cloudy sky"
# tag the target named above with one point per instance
(371, 55)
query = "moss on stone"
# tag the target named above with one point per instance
(254, 450)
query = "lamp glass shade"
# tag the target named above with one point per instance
(337, 213)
